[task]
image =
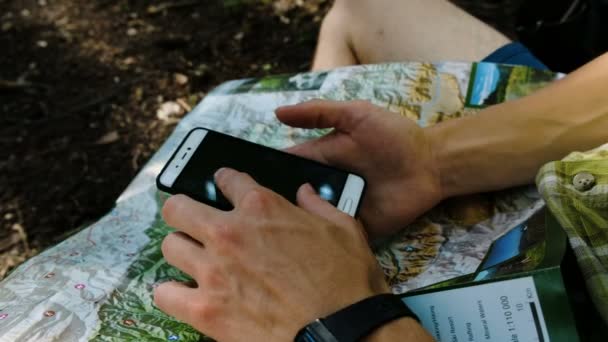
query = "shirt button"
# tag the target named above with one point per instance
(583, 181)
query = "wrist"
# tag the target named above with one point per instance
(436, 137)
(403, 329)
(485, 152)
(360, 320)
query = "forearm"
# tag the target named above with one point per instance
(404, 330)
(506, 144)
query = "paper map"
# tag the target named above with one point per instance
(97, 285)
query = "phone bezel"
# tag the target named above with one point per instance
(350, 198)
(176, 165)
(351, 194)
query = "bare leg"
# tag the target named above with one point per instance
(375, 31)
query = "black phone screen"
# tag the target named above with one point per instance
(279, 171)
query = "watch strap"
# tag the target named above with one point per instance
(315, 332)
(359, 319)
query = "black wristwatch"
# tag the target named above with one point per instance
(356, 321)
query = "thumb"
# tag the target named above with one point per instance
(327, 149)
(309, 150)
(335, 149)
(343, 116)
(308, 200)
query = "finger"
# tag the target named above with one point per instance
(191, 217)
(174, 299)
(343, 116)
(183, 252)
(334, 149)
(310, 201)
(309, 150)
(233, 184)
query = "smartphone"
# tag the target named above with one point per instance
(191, 168)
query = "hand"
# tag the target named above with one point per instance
(267, 268)
(391, 152)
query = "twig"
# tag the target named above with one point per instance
(21, 231)
(184, 105)
(87, 105)
(135, 158)
(21, 85)
(102, 98)
(155, 9)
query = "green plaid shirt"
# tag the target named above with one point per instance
(576, 192)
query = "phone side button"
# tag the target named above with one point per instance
(347, 205)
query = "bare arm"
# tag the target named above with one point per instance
(505, 145)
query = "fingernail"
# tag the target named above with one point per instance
(219, 172)
(308, 188)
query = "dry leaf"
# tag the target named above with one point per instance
(169, 112)
(108, 138)
(180, 79)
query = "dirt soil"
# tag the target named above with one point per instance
(81, 83)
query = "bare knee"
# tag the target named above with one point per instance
(335, 16)
(349, 4)
(334, 47)
(336, 24)
(346, 8)
(344, 17)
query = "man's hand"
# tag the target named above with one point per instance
(391, 152)
(266, 268)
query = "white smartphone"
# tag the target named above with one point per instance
(191, 168)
